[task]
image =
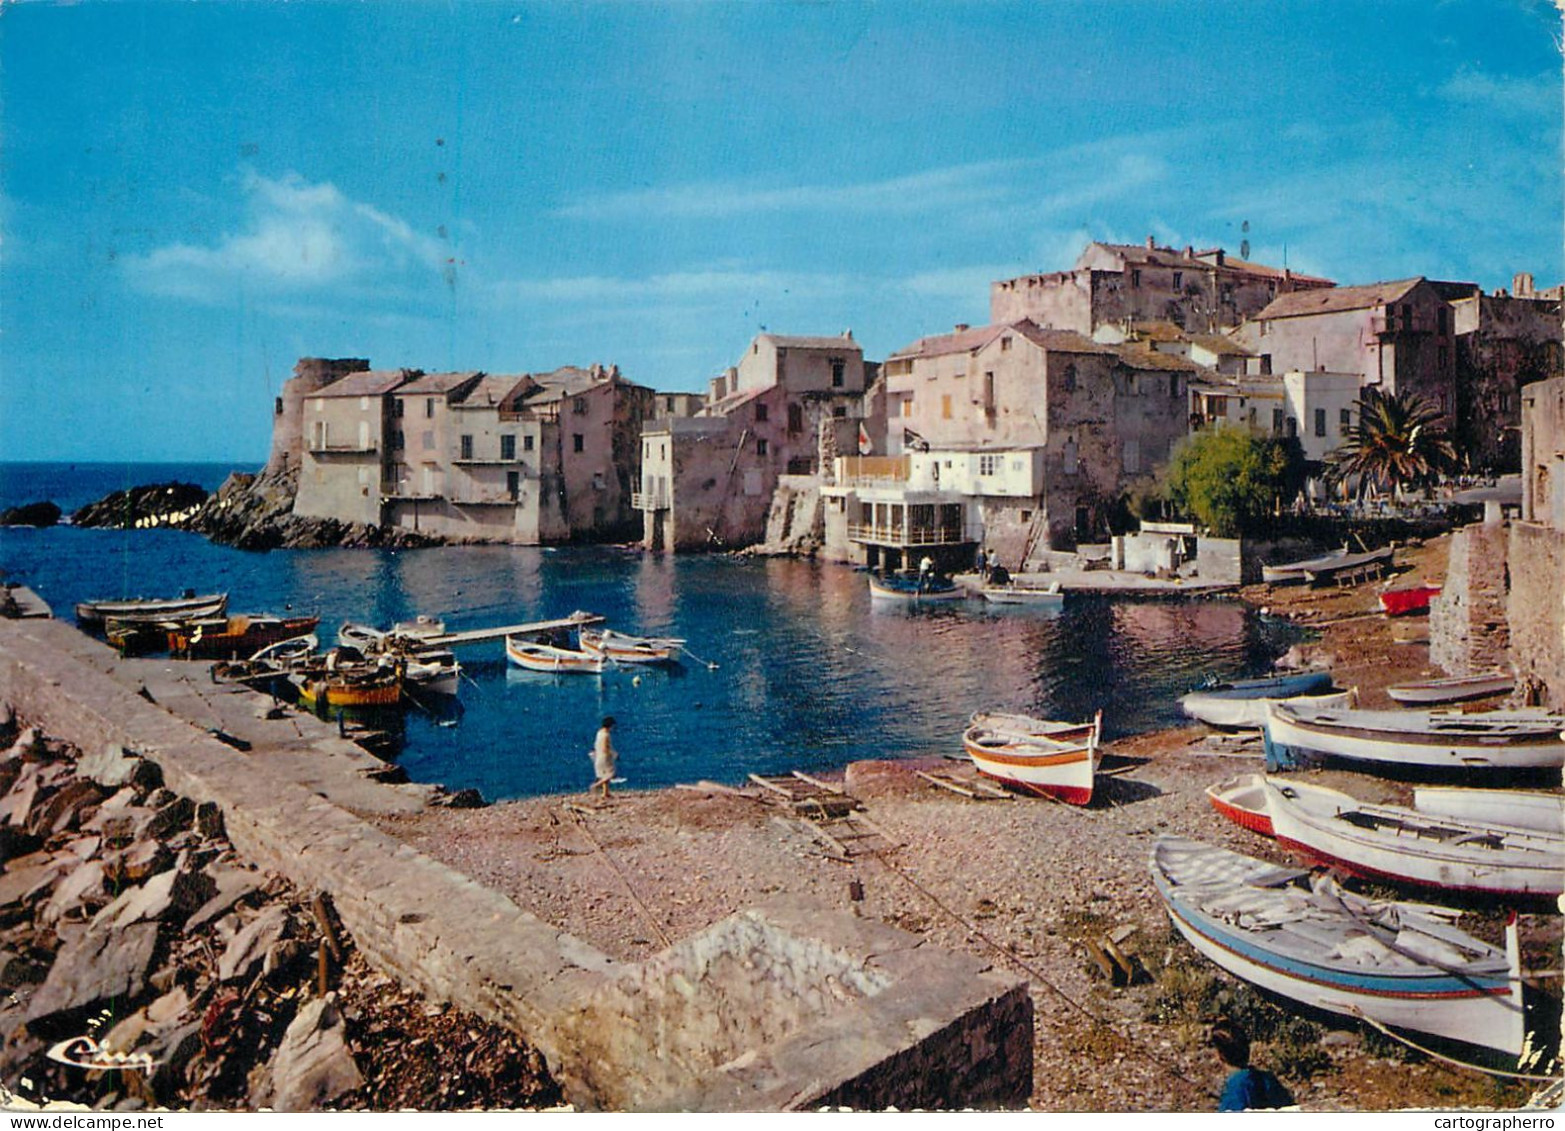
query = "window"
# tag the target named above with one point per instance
(838, 367)
(396, 440)
(513, 484)
(1005, 344)
(1320, 422)
(760, 447)
(579, 406)
(1179, 279)
(1132, 457)
(467, 447)
(1345, 418)
(988, 465)
(1068, 379)
(398, 407)
(1276, 421)
(989, 392)
(760, 412)
(527, 443)
(840, 412)
(429, 408)
(1443, 356)
(1291, 427)
(578, 442)
(1442, 319)
(1135, 277)
(508, 447)
(1071, 458)
(795, 418)
(945, 406)
(907, 407)
(1027, 516)
(427, 441)
(668, 404)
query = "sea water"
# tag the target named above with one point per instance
(789, 665)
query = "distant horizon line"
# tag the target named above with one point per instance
(236, 464)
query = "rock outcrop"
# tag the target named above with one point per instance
(31, 514)
(255, 512)
(158, 504)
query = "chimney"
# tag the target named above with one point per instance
(960, 326)
(1189, 252)
(1151, 243)
(848, 333)
(1521, 285)
(1219, 256)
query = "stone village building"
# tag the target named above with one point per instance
(526, 459)
(1021, 437)
(768, 433)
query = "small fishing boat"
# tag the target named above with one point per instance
(912, 589)
(1401, 965)
(433, 672)
(1492, 740)
(1520, 808)
(1456, 689)
(145, 609)
(344, 678)
(537, 656)
(1238, 713)
(1406, 602)
(1325, 566)
(622, 648)
(1041, 597)
(1243, 801)
(268, 668)
(234, 637)
(1284, 685)
(289, 652)
(1385, 842)
(1051, 759)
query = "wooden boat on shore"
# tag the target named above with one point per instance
(141, 610)
(911, 589)
(1385, 842)
(622, 648)
(1240, 713)
(1050, 596)
(1326, 566)
(1492, 740)
(537, 656)
(232, 638)
(1284, 685)
(1401, 965)
(1243, 801)
(1456, 689)
(1406, 602)
(1051, 759)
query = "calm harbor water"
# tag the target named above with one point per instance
(791, 665)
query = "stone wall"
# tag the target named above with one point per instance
(920, 1026)
(1537, 611)
(1468, 631)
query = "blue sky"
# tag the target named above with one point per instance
(193, 196)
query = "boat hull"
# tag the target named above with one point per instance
(1408, 847)
(618, 648)
(1284, 686)
(1056, 760)
(242, 637)
(144, 610)
(1051, 598)
(913, 593)
(319, 691)
(546, 658)
(1456, 690)
(1243, 801)
(1519, 808)
(1478, 1004)
(1250, 714)
(1451, 743)
(1406, 602)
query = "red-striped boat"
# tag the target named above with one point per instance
(1243, 801)
(1051, 759)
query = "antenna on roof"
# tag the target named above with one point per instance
(1244, 244)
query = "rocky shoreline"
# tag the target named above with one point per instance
(147, 965)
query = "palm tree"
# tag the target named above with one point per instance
(1397, 443)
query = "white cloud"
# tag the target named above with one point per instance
(297, 237)
(696, 286)
(1526, 96)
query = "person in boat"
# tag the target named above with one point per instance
(604, 756)
(1247, 1089)
(926, 571)
(981, 563)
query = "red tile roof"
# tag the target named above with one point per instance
(966, 341)
(369, 383)
(1334, 299)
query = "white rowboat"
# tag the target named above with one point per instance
(622, 648)
(539, 657)
(1492, 740)
(1457, 689)
(1220, 710)
(1044, 757)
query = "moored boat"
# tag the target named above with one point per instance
(1045, 597)
(913, 589)
(338, 682)
(1456, 689)
(1518, 808)
(1406, 602)
(537, 656)
(1385, 842)
(235, 637)
(1371, 563)
(1243, 801)
(144, 609)
(623, 648)
(1238, 713)
(435, 671)
(1325, 566)
(1053, 759)
(1401, 965)
(1492, 740)
(1284, 685)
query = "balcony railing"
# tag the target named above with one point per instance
(868, 471)
(500, 500)
(938, 534)
(649, 500)
(344, 450)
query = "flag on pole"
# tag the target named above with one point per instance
(865, 447)
(912, 441)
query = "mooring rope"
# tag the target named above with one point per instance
(629, 890)
(1370, 1021)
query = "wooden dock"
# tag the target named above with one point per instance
(487, 635)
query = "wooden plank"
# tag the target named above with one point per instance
(947, 783)
(817, 783)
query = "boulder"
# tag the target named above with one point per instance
(312, 1065)
(29, 878)
(104, 966)
(63, 808)
(21, 968)
(31, 514)
(170, 895)
(114, 766)
(134, 865)
(151, 1021)
(81, 890)
(233, 884)
(248, 949)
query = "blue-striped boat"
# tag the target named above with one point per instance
(1285, 685)
(1402, 965)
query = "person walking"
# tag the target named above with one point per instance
(604, 756)
(1247, 1089)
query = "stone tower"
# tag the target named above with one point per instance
(309, 376)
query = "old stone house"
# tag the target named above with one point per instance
(1318, 409)
(345, 437)
(1114, 284)
(782, 412)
